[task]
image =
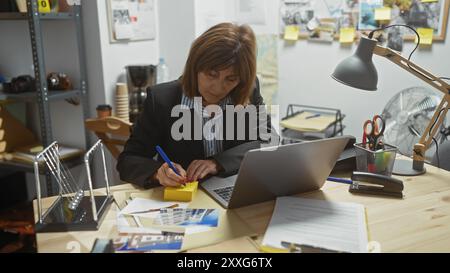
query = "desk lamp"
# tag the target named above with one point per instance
(358, 71)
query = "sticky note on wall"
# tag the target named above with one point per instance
(291, 33)
(429, 1)
(44, 6)
(383, 14)
(426, 36)
(347, 35)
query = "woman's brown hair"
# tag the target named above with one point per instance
(220, 47)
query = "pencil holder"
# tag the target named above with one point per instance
(379, 161)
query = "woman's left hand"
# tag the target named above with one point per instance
(199, 169)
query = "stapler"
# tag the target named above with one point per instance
(376, 184)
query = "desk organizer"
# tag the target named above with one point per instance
(379, 161)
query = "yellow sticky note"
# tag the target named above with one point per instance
(426, 36)
(44, 6)
(269, 249)
(347, 35)
(183, 194)
(383, 14)
(429, 1)
(291, 33)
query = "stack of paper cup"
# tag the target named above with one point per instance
(122, 109)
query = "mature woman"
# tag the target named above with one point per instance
(220, 71)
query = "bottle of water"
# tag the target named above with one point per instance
(162, 71)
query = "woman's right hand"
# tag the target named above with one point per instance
(168, 178)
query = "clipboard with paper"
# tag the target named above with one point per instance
(318, 225)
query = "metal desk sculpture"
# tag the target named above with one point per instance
(72, 209)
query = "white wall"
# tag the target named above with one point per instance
(115, 56)
(107, 64)
(176, 33)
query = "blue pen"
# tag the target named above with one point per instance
(313, 116)
(166, 159)
(340, 180)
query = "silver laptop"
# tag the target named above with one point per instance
(267, 173)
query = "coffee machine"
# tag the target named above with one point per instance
(139, 78)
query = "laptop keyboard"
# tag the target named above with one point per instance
(225, 193)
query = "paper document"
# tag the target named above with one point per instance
(330, 225)
(188, 217)
(308, 121)
(132, 224)
(291, 33)
(230, 225)
(251, 12)
(148, 208)
(131, 219)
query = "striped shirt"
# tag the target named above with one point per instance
(212, 136)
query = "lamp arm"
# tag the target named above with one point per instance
(412, 68)
(441, 111)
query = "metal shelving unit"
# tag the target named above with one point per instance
(42, 16)
(32, 96)
(42, 96)
(25, 167)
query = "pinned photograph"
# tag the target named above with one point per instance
(367, 14)
(419, 14)
(324, 32)
(395, 39)
(298, 13)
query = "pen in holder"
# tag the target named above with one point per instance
(379, 161)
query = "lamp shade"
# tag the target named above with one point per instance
(358, 70)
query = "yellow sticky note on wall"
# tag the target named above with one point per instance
(347, 35)
(426, 36)
(291, 33)
(44, 6)
(429, 1)
(383, 14)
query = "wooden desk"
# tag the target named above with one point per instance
(418, 223)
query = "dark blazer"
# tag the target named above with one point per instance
(137, 163)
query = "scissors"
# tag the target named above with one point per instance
(373, 131)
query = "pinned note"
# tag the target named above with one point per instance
(347, 35)
(426, 36)
(44, 6)
(383, 14)
(291, 33)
